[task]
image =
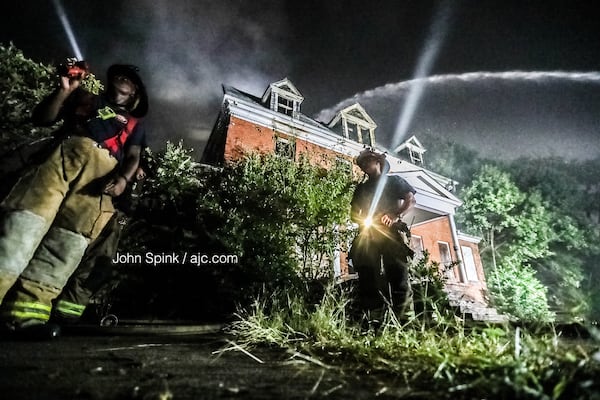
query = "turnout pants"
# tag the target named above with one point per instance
(49, 217)
(381, 259)
(94, 271)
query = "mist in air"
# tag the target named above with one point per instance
(501, 115)
(186, 50)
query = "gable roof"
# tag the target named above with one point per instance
(412, 143)
(286, 86)
(354, 113)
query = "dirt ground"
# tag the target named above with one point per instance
(146, 364)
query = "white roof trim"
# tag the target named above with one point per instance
(293, 93)
(412, 144)
(366, 118)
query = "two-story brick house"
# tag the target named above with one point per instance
(274, 123)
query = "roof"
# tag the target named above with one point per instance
(432, 193)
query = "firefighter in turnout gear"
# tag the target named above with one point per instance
(96, 268)
(381, 251)
(61, 205)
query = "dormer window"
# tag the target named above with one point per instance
(355, 124)
(412, 150)
(284, 98)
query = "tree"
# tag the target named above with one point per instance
(569, 190)
(516, 229)
(278, 215)
(489, 206)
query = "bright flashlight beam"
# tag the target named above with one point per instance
(424, 65)
(432, 46)
(62, 15)
(376, 197)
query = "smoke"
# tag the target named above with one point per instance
(188, 49)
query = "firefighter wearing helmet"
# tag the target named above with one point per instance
(61, 205)
(380, 252)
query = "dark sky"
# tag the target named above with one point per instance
(334, 50)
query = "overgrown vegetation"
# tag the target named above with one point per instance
(23, 84)
(437, 357)
(539, 220)
(284, 221)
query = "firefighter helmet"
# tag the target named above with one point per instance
(130, 72)
(369, 154)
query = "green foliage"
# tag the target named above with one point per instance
(428, 281)
(282, 220)
(518, 292)
(23, 84)
(490, 201)
(517, 228)
(571, 191)
(174, 174)
(447, 360)
(277, 214)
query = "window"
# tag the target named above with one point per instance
(358, 133)
(416, 157)
(469, 262)
(352, 132)
(285, 148)
(285, 106)
(416, 243)
(446, 259)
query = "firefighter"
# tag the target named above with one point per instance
(58, 207)
(381, 252)
(96, 268)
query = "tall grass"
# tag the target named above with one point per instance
(441, 355)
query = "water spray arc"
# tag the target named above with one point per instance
(401, 88)
(62, 16)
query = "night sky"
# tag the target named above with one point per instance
(533, 99)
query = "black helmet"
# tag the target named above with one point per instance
(130, 72)
(368, 155)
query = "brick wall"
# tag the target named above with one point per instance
(432, 232)
(246, 137)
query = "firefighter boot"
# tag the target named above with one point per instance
(20, 234)
(54, 261)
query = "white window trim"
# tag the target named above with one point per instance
(470, 267)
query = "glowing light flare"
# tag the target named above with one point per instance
(424, 66)
(62, 15)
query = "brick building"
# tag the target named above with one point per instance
(274, 123)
